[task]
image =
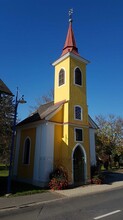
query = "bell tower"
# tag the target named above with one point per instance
(70, 85)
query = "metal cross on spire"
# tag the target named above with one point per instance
(70, 14)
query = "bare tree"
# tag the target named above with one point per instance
(43, 99)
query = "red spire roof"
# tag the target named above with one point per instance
(70, 43)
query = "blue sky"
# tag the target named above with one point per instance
(32, 35)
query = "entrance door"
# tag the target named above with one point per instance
(78, 165)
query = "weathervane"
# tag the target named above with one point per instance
(70, 14)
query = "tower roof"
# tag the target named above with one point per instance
(70, 43)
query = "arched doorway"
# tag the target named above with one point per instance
(78, 166)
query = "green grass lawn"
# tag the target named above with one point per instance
(3, 173)
(17, 188)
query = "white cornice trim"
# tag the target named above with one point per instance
(71, 55)
(31, 124)
(79, 58)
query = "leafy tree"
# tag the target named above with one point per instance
(109, 139)
(6, 121)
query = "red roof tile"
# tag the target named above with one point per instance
(70, 43)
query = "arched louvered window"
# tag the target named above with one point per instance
(78, 77)
(26, 154)
(61, 77)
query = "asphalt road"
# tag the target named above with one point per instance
(106, 205)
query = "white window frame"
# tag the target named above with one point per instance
(75, 134)
(81, 76)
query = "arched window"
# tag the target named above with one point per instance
(26, 155)
(61, 77)
(78, 77)
(78, 113)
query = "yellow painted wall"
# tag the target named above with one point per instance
(75, 95)
(24, 170)
(68, 148)
(78, 94)
(62, 92)
(58, 117)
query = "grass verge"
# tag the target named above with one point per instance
(17, 188)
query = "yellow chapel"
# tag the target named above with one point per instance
(59, 133)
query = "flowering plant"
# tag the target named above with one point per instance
(98, 179)
(58, 179)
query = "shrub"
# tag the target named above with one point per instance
(98, 179)
(58, 179)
